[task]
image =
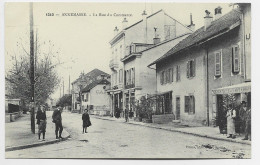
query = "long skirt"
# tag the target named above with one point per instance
(230, 125)
(42, 127)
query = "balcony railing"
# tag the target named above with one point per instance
(113, 64)
(135, 48)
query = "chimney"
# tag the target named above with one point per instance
(124, 24)
(218, 12)
(192, 25)
(207, 20)
(115, 31)
(144, 15)
(156, 39)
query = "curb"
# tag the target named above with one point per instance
(36, 144)
(184, 132)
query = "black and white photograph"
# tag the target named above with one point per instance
(127, 80)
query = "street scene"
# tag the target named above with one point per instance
(128, 80)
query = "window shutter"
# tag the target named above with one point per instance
(217, 64)
(235, 52)
(187, 103)
(125, 78)
(161, 78)
(178, 73)
(133, 75)
(164, 77)
(193, 68)
(188, 69)
(172, 74)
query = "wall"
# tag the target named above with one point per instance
(247, 36)
(186, 86)
(147, 75)
(117, 56)
(225, 44)
(98, 96)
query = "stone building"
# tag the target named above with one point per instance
(81, 83)
(133, 49)
(214, 58)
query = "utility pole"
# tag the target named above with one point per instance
(69, 84)
(32, 104)
(63, 88)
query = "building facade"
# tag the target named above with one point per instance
(79, 84)
(95, 98)
(210, 59)
(132, 50)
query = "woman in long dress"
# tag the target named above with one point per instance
(86, 121)
(231, 114)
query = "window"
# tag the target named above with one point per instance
(191, 68)
(121, 55)
(162, 77)
(120, 75)
(82, 96)
(189, 104)
(86, 97)
(218, 64)
(169, 31)
(133, 76)
(171, 75)
(125, 77)
(132, 49)
(235, 59)
(178, 73)
(167, 76)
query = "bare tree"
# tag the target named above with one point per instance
(46, 77)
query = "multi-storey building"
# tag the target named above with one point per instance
(133, 49)
(79, 84)
(213, 61)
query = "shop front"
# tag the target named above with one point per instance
(230, 96)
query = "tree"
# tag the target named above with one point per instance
(46, 77)
(65, 100)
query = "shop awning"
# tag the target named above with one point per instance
(238, 88)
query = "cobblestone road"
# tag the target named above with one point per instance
(108, 139)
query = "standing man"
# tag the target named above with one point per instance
(41, 121)
(126, 115)
(56, 118)
(247, 124)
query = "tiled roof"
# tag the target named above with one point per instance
(95, 83)
(94, 73)
(217, 26)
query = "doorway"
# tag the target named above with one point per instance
(178, 111)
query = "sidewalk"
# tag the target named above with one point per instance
(207, 132)
(18, 134)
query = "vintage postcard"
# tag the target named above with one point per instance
(127, 80)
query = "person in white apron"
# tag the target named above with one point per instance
(231, 115)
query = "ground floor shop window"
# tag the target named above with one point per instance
(164, 103)
(189, 104)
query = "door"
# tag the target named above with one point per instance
(178, 109)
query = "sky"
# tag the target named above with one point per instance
(83, 42)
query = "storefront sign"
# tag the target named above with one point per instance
(232, 90)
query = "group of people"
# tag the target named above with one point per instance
(57, 119)
(42, 121)
(243, 117)
(126, 114)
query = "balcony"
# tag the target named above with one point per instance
(113, 64)
(135, 49)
